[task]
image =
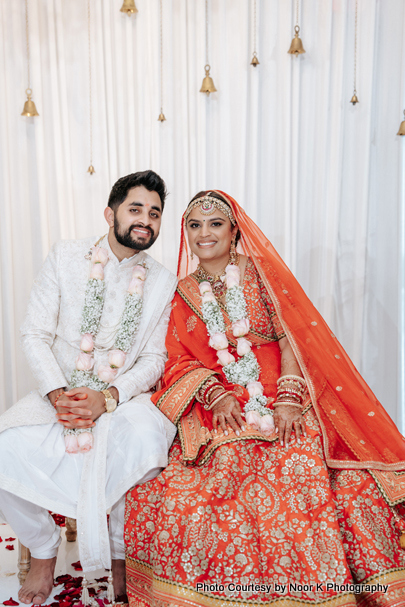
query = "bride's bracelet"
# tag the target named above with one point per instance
(294, 378)
(278, 403)
(217, 399)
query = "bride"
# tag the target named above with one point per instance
(285, 483)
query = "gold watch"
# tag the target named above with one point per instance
(110, 402)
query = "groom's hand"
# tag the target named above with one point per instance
(94, 401)
(73, 413)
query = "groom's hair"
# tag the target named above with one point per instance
(149, 179)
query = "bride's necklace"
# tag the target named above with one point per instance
(217, 281)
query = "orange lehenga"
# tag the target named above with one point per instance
(241, 520)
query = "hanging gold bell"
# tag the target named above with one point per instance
(162, 117)
(296, 47)
(354, 99)
(255, 61)
(29, 106)
(91, 169)
(208, 83)
(402, 127)
(129, 7)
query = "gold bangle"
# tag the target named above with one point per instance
(278, 403)
(217, 400)
(296, 377)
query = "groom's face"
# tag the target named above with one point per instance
(137, 220)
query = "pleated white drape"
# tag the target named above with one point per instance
(323, 179)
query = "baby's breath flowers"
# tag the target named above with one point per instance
(246, 370)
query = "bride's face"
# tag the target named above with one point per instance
(210, 236)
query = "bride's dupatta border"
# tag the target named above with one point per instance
(357, 431)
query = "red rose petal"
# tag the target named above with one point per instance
(11, 601)
(77, 566)
(10, 547)
(10, 539)
(0, 542)
(62, 579)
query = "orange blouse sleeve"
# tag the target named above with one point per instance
(184, 373)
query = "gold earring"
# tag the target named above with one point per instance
(232, 251)
(192, 255)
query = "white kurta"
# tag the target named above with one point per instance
(128, 443)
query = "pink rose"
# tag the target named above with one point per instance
(97, 271)
(99, 255)
(136, 286)
(218, 341)
(207, 297)
(232, 269)
(232, 281)
(85, 441)
(205, 287)
(240, 327)
(267, 426)
(71, 444)
(253, 419)
(116, 358)
(254, 388)
(243, 346)
(139, 272)
(106, 373)
(84, 362)
(87, 344)
(225, 357)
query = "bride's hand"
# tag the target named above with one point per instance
(288, 419)
(228, 411)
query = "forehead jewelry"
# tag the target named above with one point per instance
(207, 205)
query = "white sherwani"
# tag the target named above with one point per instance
(131, 443)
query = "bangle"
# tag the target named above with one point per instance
(209, 405)
(217, 399)
(280, 402)
(297, 378)
(210, 390)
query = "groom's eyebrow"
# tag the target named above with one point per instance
(140, 204)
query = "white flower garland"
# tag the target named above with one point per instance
(83, 374)
(246, 370)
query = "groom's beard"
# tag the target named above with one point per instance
(128, 240)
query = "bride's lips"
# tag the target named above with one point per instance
(206, 245)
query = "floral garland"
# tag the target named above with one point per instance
(80, 440)
(246, 370)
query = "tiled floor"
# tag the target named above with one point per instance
(9, 584)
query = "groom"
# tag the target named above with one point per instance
(97, 319)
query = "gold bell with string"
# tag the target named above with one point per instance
(402, 127)
(296, 47)
(255, 61)
(208, 83)
(29, 105)
(129, 7)
(354, 99)
(91, 170)
(162, 117)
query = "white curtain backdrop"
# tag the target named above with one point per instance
(323, 179)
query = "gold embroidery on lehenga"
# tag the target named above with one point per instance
(191, 323)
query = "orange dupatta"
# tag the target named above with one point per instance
(357, 431)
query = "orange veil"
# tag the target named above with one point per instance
(357, 431)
